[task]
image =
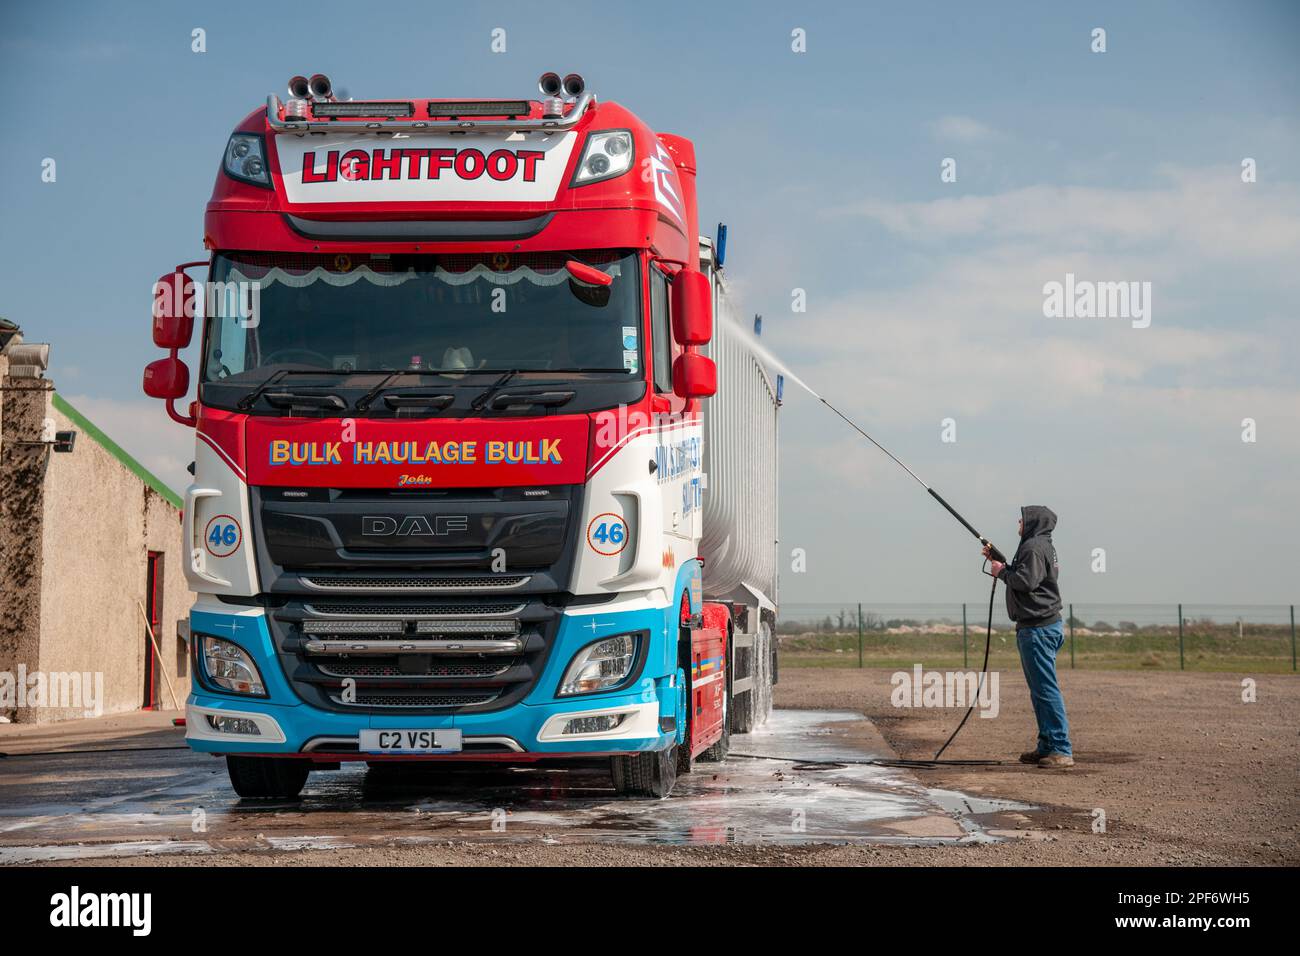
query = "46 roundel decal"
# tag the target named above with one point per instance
(607, 534)
(222, 536)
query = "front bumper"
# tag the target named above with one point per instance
(651, 707)
(521, 732)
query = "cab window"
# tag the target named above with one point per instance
(661, 331)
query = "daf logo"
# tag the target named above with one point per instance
(438, 525)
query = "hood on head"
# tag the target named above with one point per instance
(1038, 519)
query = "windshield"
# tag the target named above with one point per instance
(452, 314)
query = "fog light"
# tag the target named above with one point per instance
(594, 725)
(234, 725)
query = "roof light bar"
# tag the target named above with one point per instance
(479, 108)
(391, 109)
(498, 122)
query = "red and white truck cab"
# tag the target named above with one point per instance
(459, 492)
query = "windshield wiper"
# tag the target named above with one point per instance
(363, 403)
(249, 400)
(482, 399)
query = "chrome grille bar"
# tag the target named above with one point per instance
(460, 648)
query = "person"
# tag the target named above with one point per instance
(1034, 603)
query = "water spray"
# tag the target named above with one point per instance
(991, 552)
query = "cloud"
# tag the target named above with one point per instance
(143, 429)
(1209, 212)
(960, 129)
(1129, 430)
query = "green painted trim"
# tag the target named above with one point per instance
(116, 450)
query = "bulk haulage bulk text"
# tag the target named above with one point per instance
(494, 452)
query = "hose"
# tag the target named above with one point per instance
(984, 669)
(933, 762)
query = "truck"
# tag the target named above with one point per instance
(484, 465)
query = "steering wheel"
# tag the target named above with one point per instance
(280, 356)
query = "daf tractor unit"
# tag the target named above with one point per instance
(481, 471)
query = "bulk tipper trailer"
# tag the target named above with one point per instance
(478, 474)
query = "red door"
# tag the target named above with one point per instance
(153, 610)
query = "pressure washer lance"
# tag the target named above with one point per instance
(991, 552)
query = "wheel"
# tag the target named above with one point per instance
(648, 774)
(267, 778)
(763, 673)
(685, 762)
(742, 705)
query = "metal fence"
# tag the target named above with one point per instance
(1209, 637)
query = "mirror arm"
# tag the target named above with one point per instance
(176, 416)
(671, 262)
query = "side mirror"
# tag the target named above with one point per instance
(173, 310)
(694, 375)
(167, 378)
(692, 304)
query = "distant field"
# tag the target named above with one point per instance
(1259, 649)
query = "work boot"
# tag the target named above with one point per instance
(1031, 756)
(1056, 762)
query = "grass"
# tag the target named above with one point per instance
(1258, 650)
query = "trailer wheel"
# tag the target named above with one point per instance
(648, 774)
(763, 674)
(742, 712)
(267, 778)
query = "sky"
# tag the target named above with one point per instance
(924, 294)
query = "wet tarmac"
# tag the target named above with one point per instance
(796, 780)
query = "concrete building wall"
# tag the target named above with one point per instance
(82, 536)
(22, 507)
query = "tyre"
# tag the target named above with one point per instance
(742, 705)
(685, 762)
(267, 778)
(763, 674)
(742, 712)
(649, 774)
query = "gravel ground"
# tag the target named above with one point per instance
(1186, 773)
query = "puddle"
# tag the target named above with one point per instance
(802, 780)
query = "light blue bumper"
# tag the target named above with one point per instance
(653, 705)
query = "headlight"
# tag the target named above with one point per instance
(607, 154)
(229, 667)
(599, 666)
(246, 159)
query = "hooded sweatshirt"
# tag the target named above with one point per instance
(1033, 597)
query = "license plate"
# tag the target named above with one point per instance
(410, 741)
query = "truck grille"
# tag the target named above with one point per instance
(423, 656)
(408, 700)
(417, 623)
(415, 609)
(406, 582)
(353, 667)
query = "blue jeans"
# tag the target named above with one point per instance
(1038, 647)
